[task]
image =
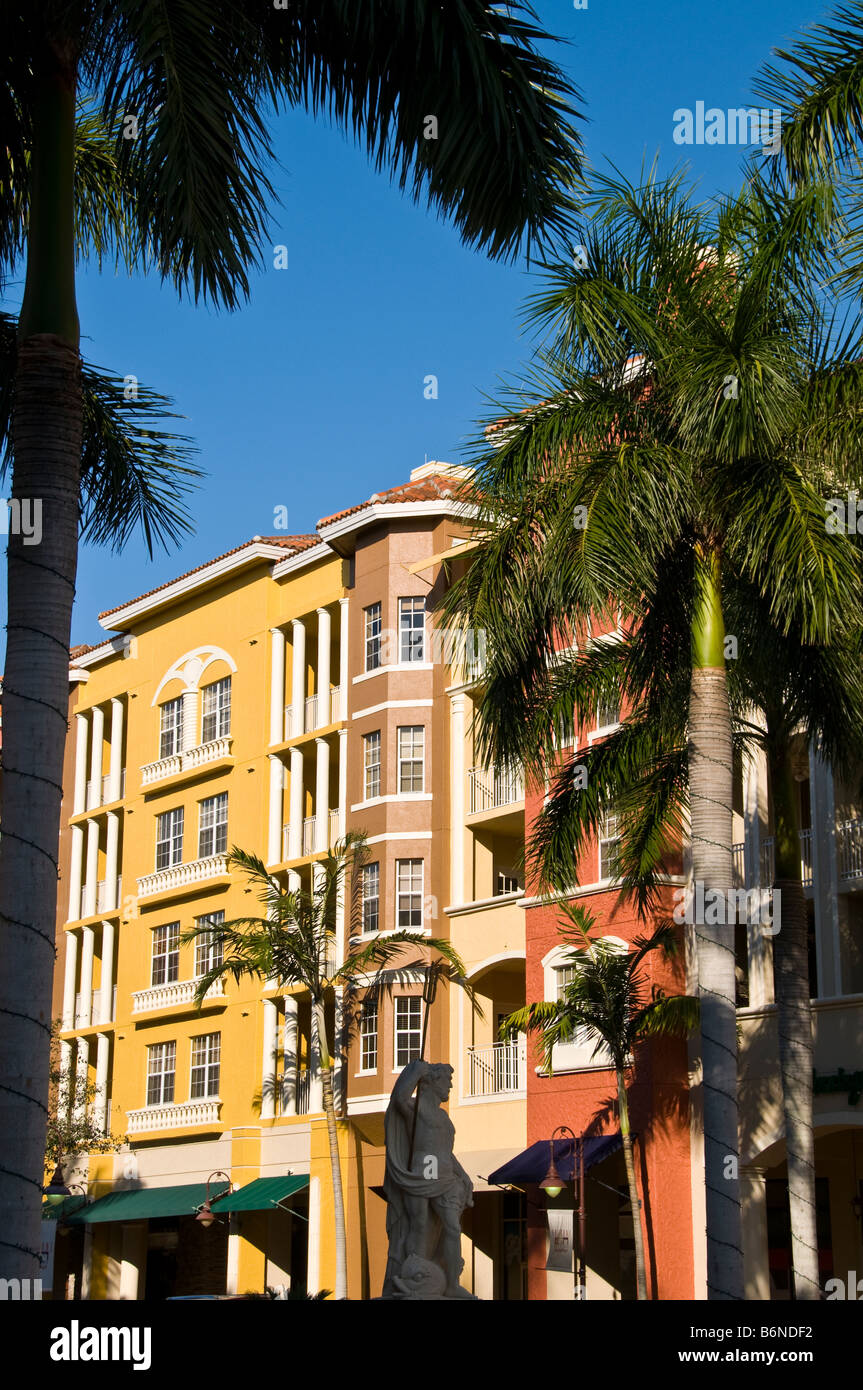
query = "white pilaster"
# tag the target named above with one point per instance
(296, 812)
(344, 678)
(313, 1264)
(69, 980)
(88, 941)
(275, 853)
(76, 865)
(316, 1090)
(81, 1072)
(131, 1260)
(268, 1063)
(191, 736)
(289, 1044)
(343, 781)
(323, 681)
(65, 1086)
(92, 868)
(753, 1211)
(457, 813)
(277, 685)
(322, 794)
(95, 797)
(106, 989)
(100, 1107)
(79, 799)
(298, 677)
(115, 766)
(112, 849)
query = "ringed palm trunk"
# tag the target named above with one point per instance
(634, 1201)
(320, 1029)
(794, 1022)
(46, 437)
(710, 796)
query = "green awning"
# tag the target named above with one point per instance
(139, 1204)
(261, 1194)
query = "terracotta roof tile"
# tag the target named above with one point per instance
(438, 487)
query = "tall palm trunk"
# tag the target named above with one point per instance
(46, 436)
(320, 1029)
(634, 1200)
(710, 796)
(794, 1022)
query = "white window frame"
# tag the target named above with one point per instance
(373, 637)
(172, 822)
(210, 1067)
(368, 874)
(369, 1039)
(410, 893)
(372, 742)
(206, 950)
(575, 1055)
(409, 760)
(413, 1000)
(167, 1053)
(167, 936)
(171, 728)
(603, 839)
(216, 829)
(218, 696)
(411, 651)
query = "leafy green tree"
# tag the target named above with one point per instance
(608, 1003)
(74, 1125)
(456, 102)
(295, 943)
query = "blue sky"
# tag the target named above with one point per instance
(311, 397)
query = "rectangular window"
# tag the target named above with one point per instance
(369, 1038)
(217, 711)
(371, 881)
(411, 758)
(506, 883)
(166, 955)
(409, 893)
(169, 838)
(171, 728)
(609, 841)
(208, 953)
(608, 714)
(372, 765)
(213, 826)
(564, 975)
(408, 1019)
(161, 1072)
(373, 636)
(412, 629)
(206, 1052)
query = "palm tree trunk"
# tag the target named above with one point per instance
(794, 1022)
(634, 1201)
(46, 436)
(710, 796)
(320, 1027)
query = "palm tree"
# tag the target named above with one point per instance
(294, 944)
(455, 101)
(607, 1001)
(661, 418)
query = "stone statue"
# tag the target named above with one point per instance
(426, 1188)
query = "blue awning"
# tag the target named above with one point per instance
(531, 1166)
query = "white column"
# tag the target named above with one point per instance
(69, 980)
(758, 945)
(112, 849)
(343, 780)
(76, 864)
(825, 876)
(341, 1050)
(298, 677)
(295, 818)
(457, 778)
(323, 681)
(65, 1086)
(232, 1277)
(95, 797)
(277, 685)
(322, 794)
(106, 989)
(87, 944)
(191, 737)
(129, 1267)
(275, 852)
(81, 1071)
(344, 678)
(79, 800)
(289, 1044)
(313, 1266)
(115, 766)
(268, 1064)
(92, 868)
(87, 1261)
(100, 1108)
(753, 1204)
(316, 1091)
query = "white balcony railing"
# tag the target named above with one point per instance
(187, 761)
(767, 865)
(304, 1089)
(307, 720)
(106, 787)
(102, 903)
(310, 826)
(494, 787)
(494, 1070)
(172, 996)
(95, 1018)
(158, 1117)
(849, 844)
(336, 711)
(333, 829)
(181, 874)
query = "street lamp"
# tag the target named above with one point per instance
(205, 1215)
(56, 1191)
(554, 1184)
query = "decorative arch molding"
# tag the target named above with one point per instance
(771, 1149)
(491, 961)
(190, 667)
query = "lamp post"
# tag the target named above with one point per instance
(205, 1215)
(554, 1184)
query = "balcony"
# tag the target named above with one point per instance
(102, 901)
(849, 837)
(189, 760)
(98, 791)
(183, 1116)
(495, 1070)
(493, 788)
(181, 875)
(309, 835)
(172, 996)
(304, 1090)
(306, 720)
(95, 1016)
(767, 858)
